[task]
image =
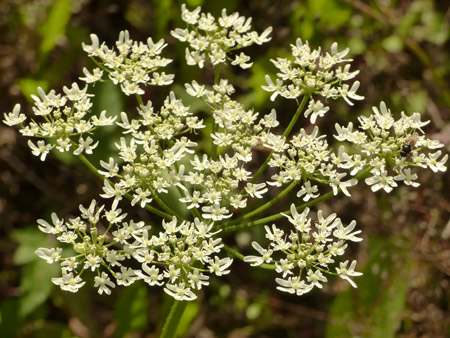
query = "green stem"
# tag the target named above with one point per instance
(229, 227)
(264, 206)
(214, 124)
(164, 205)
(91, 167)
(173, 319)
(275, 217)
(139, 100)
(297, 115)
(285, 134)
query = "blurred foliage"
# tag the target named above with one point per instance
(402, 49)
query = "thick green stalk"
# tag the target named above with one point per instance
(286, 133)
(173, 319)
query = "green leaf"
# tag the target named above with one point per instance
(330, 12)
(10, 321)
(131, 309)
(373, 309)
(36, 285)
(53, 28)
(29, 86)
(29, 239)
(388, 313)
(188, 316)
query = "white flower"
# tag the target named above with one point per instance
(215, 212)
(91, 78)
(309, 191)
(436, 165)
(256, 190)
(258, 260)
(85, 145)
(68, 282)
(300, 221)
(336, 183)
(42, 149)
(179, 292)
(141, 196)
(276, 89)
(197, 279)
(348, 94)
(103, 283)
(346, 233)
(316, 109)
(381, 181)
(49, 255)
(241, 61)
(406, 176)
(293, 285)
(58, 225)
(315, 277)
(13, 118)
(153, 276)
(219, 266)
(92, 50)
(126, 276)
(345, 272)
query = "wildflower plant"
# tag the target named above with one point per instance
(160, 153)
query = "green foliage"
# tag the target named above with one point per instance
(36, 276)
(131, 310)
(376, 308)
(54, 27)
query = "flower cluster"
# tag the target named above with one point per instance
(178, 258)
(65, 121)
(211, 40)
(157, 144)
(194, 170)
(311, 73)
(133, 64)
(388, 143)
(307, 158)
(304, 255)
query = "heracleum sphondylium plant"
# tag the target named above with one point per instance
(159, 153)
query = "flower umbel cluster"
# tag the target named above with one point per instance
(303, 256)
(313, 74)
(211, 40)
(132, 65)
(388, 143)
(179, 257)
(65, 122)
(195, 171)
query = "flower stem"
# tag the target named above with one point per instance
(272, 218)
(230, 227)
(285, 134)
(264, 206)
(173, 319)
(214, 124)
